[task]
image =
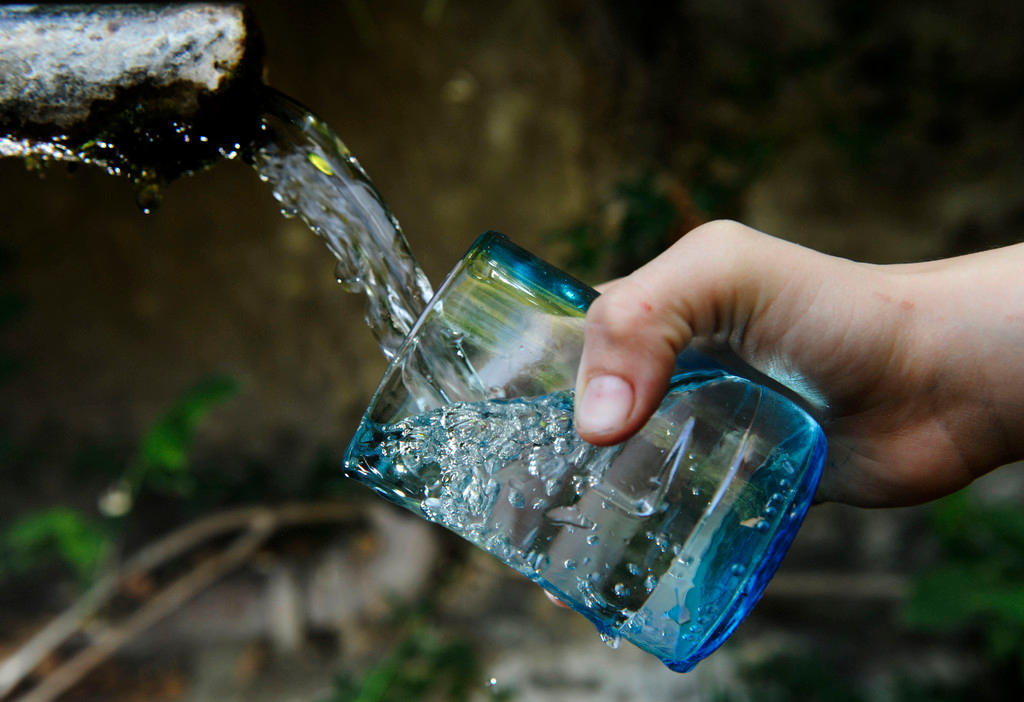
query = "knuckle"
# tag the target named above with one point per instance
(620, 311)
(724, 234)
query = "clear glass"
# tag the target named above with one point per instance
(666, 540)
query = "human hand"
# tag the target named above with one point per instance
(917, 366)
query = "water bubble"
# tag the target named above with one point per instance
(620, 590)
(551, 487)
(492, 682)
(611, 640)
(649, 582)
(539, 562)
(633, 569)
(433, 508)
(738, 569)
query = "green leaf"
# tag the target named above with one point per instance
(162, 459)
(58, 533)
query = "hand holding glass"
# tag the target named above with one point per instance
(667, 540)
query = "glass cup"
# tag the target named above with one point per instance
(667, 540)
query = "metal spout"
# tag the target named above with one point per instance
(148, 91)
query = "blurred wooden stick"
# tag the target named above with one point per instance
(259, 523)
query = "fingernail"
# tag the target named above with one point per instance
(606, 402)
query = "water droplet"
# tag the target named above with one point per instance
(570, 564)
(649, 582)
(516, 498)
(611, 640)
(148, 197)
(620, 590)
(738, 569)
(593, 539)
(633, 569)
(492, 682)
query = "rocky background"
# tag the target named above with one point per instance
(593, 133)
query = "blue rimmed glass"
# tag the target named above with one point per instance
(667, 540)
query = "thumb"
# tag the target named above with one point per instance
(702, 286)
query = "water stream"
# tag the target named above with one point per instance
(311, 173)
(316, 178)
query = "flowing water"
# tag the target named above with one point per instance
(311, 173)
(315, 177)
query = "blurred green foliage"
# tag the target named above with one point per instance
(78, 541)
(426, 664)
(795, 676)
(977, 586)
(161, 463)
(972, 595)
(812, 676)
(57, 533)
(638, 222)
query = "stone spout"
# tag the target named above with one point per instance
(148, 91)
